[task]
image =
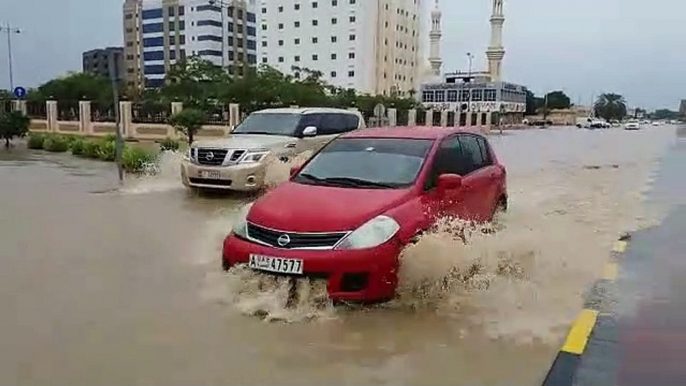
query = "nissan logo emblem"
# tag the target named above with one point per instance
(209, 156)
(283, 240)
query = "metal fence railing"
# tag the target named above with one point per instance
(217, 115)
(101, 112)
(150, 113)
(68, 111)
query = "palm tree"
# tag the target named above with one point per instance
(610, 106)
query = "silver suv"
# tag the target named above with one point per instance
(239, 161)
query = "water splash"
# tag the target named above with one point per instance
(161, 176)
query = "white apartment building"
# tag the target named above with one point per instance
(158, 33)
(369, 45)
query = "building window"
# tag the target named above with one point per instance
(464, 95)
(352, 1)
(153, 55)
(352, 19)
(211, 38)
(334, 20)
(281, 8)
(251, 31)
(296, 41)
(351, 55)
(296, 24)
(252, 44)
(452, 95)
(152, 28)
(264, 43)
(315, 40)
(264, 27)
(280, 42)
(210, 53)
(264, 60)
(264, 10)
(333, 74)
(171, 11)
(351, 38)
(297, 7)
(153, 42)
(477, 95)
(334, 3)
(280, 25)
(334, 56)
(152, 13)
(314, 4)
(280, 59)
(250, 17)
(489, 95)
(297, 58)
(428, 96)
(315, 22)
(212, 23)
(440, 96)
(315, 57)
(351, 73)
(334, 39)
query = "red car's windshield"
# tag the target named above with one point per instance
(367, 163)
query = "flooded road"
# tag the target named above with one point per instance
(125, 287)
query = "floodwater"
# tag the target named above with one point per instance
(100, 285)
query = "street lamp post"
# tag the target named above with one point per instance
(9, 30)
(469, 89)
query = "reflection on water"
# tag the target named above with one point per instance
(132, 280)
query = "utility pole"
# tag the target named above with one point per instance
(115, 97)
(9, 30)
(469, 88)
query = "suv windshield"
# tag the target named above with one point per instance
(270, 124)
(367, 163)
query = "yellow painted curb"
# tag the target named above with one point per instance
(619, 247)
(581, 330)
(610, 271)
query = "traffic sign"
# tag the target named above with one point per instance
(379, 110)
(19, 92)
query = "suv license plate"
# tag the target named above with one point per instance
(276, 264)
(210, 174)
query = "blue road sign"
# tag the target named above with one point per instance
(19, 92)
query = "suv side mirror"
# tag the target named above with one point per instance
(310, 131)
(295, 170)
(449, 182)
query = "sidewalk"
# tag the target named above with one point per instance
(639, 338)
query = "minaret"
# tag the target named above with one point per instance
(496, 52)
(435, 40)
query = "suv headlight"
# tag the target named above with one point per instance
(372, 234)
(254, 156)
(240, 225)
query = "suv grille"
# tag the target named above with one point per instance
(213, 157)
(297, 240)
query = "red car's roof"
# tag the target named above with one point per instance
(413, 132)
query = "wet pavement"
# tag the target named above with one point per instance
(640, 336)
(107, 286)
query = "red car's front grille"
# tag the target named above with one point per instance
(295, 240)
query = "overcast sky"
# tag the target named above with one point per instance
(633, 47)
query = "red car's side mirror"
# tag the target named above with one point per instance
(449, 182)
(295, 170)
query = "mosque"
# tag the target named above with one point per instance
(472, 98)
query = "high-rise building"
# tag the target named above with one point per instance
(100, 60)
(159, 33)
(369, 45)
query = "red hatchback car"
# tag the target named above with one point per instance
(346, 214)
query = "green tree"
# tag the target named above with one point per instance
(195, 82)
(13, 124)
(188, 121)
(665, 114)
(610, 106)
(75, 87)
(557, 100)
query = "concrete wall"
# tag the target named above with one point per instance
(480, 121)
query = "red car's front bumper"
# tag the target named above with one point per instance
(367, 275)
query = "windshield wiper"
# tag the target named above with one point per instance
(259, 132)
(357, 182)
